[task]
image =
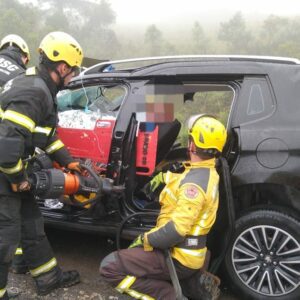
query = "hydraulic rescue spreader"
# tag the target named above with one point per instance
(48, 182)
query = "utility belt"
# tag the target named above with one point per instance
(193, 242)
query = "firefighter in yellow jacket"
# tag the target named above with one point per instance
(189, 203)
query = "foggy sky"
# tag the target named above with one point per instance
(172, 12)
(166, 11)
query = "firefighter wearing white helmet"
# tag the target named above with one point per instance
(14, 56)
(189, 203)
(28, 120)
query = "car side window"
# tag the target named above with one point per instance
(213, 99)
(105, 100)
(254, 101)
(165, 103)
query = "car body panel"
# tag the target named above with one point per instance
(260, 95)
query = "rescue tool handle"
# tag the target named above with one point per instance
(98, 181)
(103, 185)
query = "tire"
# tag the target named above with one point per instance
(263, 260)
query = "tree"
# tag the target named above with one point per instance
(21, 19)
(280, 36)
(235, 34)
(153, 40)
(96, 32)
(200, 42)
(272, 34)
(87, 21)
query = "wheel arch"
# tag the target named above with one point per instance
(267, 196)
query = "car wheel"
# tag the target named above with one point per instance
(263, 260)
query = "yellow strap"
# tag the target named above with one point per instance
(19, 251)
(200, 225)
(138, 295)
(125, 284)
(45, 130)
(196, 252)
(19, 119)
(24, 121)
(54, 147)
(2, 292)
(17, 168)
(44, 268)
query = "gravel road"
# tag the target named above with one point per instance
(84, 253)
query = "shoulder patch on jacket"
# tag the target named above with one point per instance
(191, 191)
(198, 176)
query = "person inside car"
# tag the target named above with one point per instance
(14, 56)
(28, 111)
(189, 203)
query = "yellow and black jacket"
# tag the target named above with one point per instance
(189, 204)
(28, 111)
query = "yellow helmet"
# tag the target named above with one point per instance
(207, 133)
(14, 39)
(60, 46)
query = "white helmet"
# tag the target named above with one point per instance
(16, 40)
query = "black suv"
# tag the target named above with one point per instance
(127, 120)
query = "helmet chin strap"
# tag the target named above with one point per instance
(190, 150)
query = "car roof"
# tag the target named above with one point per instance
(133, 65)
(188, 65)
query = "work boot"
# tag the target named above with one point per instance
(18, 265)
(209, 286)
(18, 268)
(201, 286)
(55, 279)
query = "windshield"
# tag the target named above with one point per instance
(99, 98)
(81, 108)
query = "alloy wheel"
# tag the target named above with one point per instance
(267, 260)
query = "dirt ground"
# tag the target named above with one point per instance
(84, 253)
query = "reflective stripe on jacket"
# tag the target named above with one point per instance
(189, 204)
(29, 118)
